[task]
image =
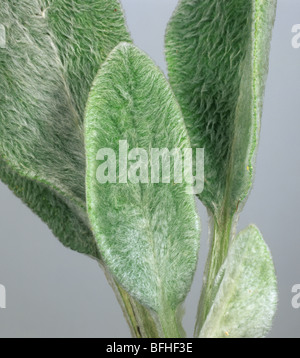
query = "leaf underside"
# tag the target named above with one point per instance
(245, 291)
(53, 52)
(217, 53)
(53, 210)
(148, 234)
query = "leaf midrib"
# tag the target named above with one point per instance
(145, 208)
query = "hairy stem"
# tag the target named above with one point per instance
(139, 318)
(220, 238)
(143, 322)
(169, 321)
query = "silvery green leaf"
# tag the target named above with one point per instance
(245, 291)
(147, 233)
(217, 53)
(53, 51)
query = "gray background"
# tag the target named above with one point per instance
(54, 292)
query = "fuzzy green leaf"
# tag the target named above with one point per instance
(53, 51)
(245, 291)
(148, 234)
(217, 54)
(54, 211)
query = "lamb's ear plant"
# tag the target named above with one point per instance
(218, 57)
(52, 54)
(74, 90)
(148, 233)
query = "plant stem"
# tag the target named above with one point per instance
(220, 238)
(169, 321)
(143, 322)
(147, 324)
(140, 320)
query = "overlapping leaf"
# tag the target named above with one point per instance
(148, 234)
(245, 291)
(53, 51)
(53, 210)
(217, 54)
